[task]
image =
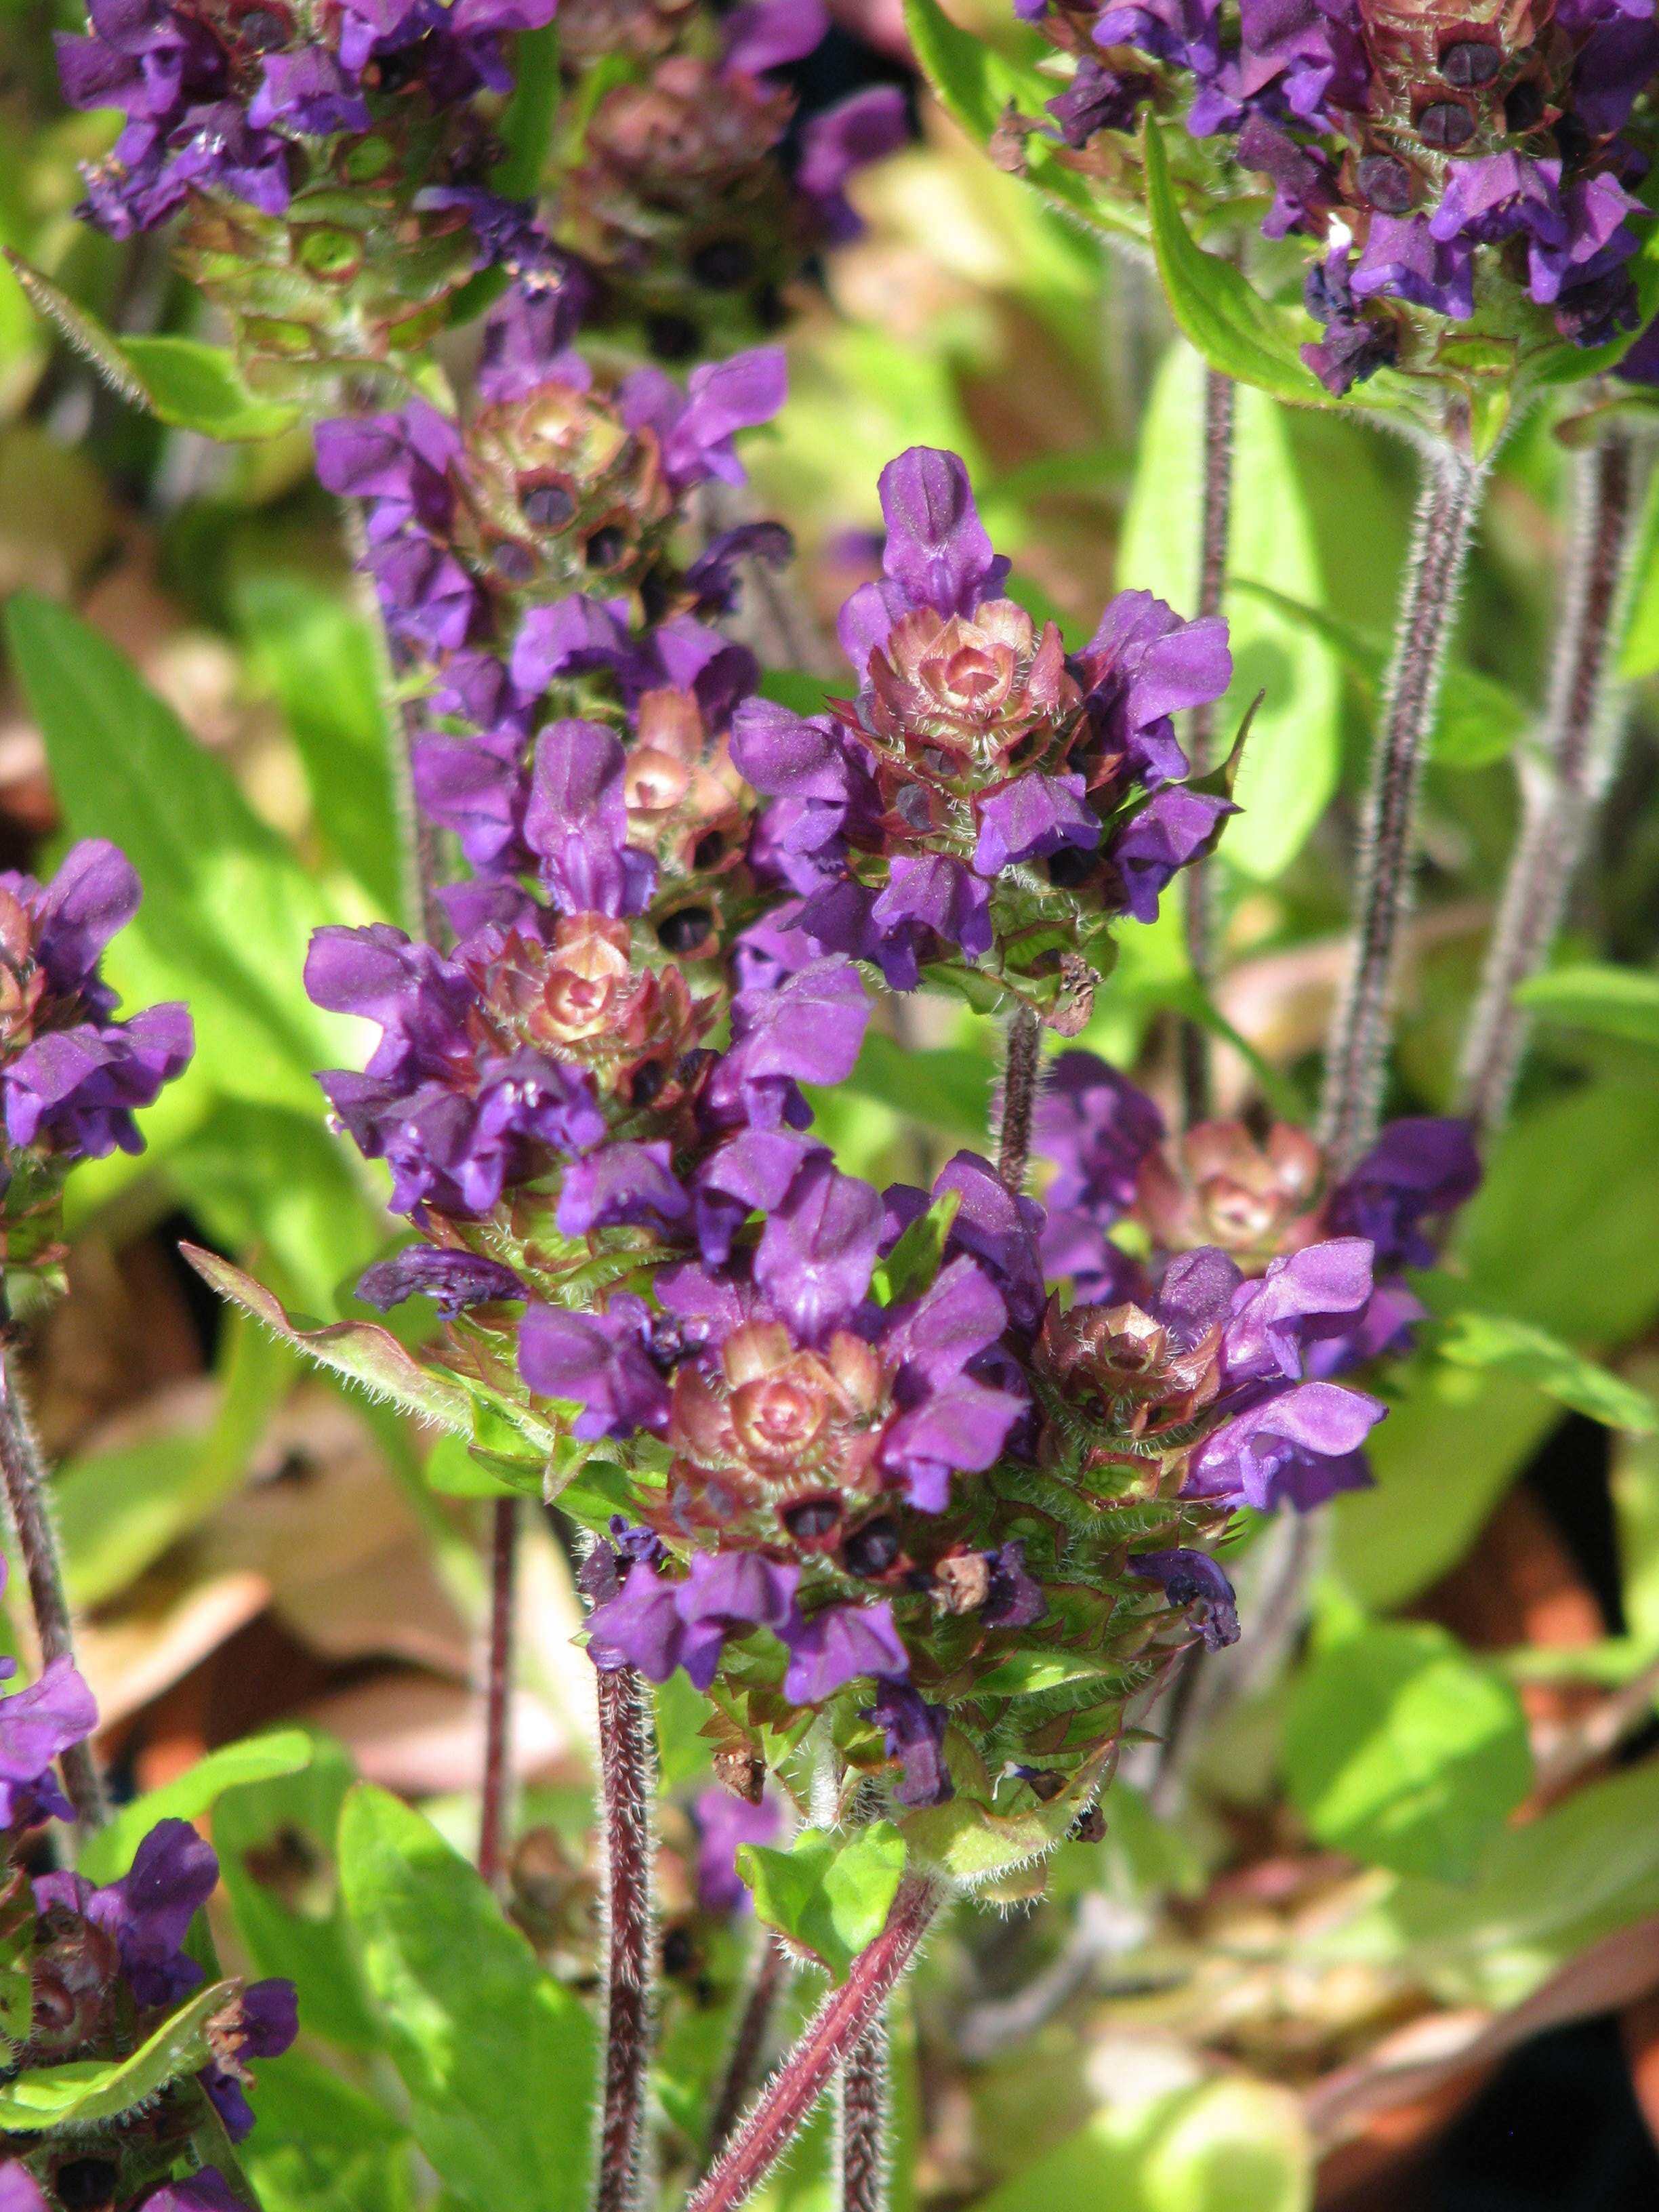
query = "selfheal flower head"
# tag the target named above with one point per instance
(1301, 1445)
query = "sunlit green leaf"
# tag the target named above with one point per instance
(1621, 1002)
(829, 1893)
(260, 1758)
(1518, 1347)
(87, 2090)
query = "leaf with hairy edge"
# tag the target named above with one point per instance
(831, 1894)
(1474, 1339)
(108, 1854)
(181, 382)
(971, 1847)
(1621, 1002)
(361, 1350)
(91, 2089)
(976, 83)
(498, 2059)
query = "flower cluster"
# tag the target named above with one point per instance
(106, 1967)
(1475, 169)
(985, 796)
(694, 203)
(70, 1073)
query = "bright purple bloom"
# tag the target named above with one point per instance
(599, 1361)
(725, 1824)
(206, 2191)
(1000, 1230)
(38, 1725)
(1496, 196)
(148, 1911)
(310, 93)
(1144, 664)
(1193, 1580)
(936, 892)
(837, 1646)
(1420, 1169)
(752, 1173)
(1173, 828)
(937, 554)
(400, 463)
(727, 1593)
(1031, 817)
(1404, 260)
(915, 1736)
(577, 821)
(807, 1030)
(623, 1185)
(1302, 1297)
(640, 1627)
(816, 1250)
(695, 429)
(455, 1279)
(1304, 1444)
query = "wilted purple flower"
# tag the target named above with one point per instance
(266, 2021)
(206, 2191)
(1014, 1600)
(839, 1645)
(598, 1361)
(1302, 1444)
(1420, 1169)
(915, 1736)
(455, 1279)
(1193, 1580)
(725, 1824)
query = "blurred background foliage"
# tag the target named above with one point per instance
(1403, 1852)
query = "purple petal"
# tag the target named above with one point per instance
(1193, 1580)
(937, 552)
(915, 1736)
(837, 1646)
(455, 1279)
(596, 1361)
(816, 1253)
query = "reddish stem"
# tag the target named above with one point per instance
(627, 1775)
(749, 2042)
(864, 2102)
(840, 2025)
(498, 1691)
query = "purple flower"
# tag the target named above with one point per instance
(620, 1186)
(1095, 1127)
(1096, 99)
(809, 1029)
(399, 462)
(915, 1736)
(1172, 828)
(1143, 665)
(76, 1090)
(1305, 184)
(1193, 1580)
(20, 2191)
(937, 553)
(817, 1251)
(960, 1315)
(206, 2191)
(1420, 1169)
(938, 893)
(1183, 32)
(525, 335)
(727, 1593)
(577, 821)
(1496, 196)
(475, 786)
(455, 1279)
(840, 140)
(1030, 819)
(695, 430)
(958, 1428)
(1304, 1444)
(268, 2019)
(837, 1646)
(1403, 259)
(725, 1824)
(148, 1911)
(753, 1172)
(598, 1361)
(1000, 1230)
(1303, 1296)
(307, 92)
(38, 1725)
(768, 34)
(640, 1627)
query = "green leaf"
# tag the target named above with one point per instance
(227, 911)
(831, 1894)
(1230, 2145)
(1404, 1752)
(1026, 1673)
(276, 1841)
(324, 663)
(915, 1261)
(1621, 1002)
(1544, 1892)
(1518, 1347)
(976, 82)
(1290, 768)
(180, 380)
(947, 1087)
(361, 1350)
(795, 689)
(1479, 720)
(88, 2090)
(1215, 308)
(971, 1846)
(498, 2059)
(119, 1510)
(322, 2146)
(108, 1854)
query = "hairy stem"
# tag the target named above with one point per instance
(1564, 779)
(1356, 1055)
(1020, 1072)
(836, 2031)
(862, 2133)
(753, 2024)
(25, 1476)
(627, 1777)
(1197, 1089)
(498, 1691)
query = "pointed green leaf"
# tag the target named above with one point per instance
(1499, 1341)
(88, 2090)
(108, 1854)
(829, 1894)
(1621, 1002)
(361, 1350)
(322, 2146)
(497, 2058)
